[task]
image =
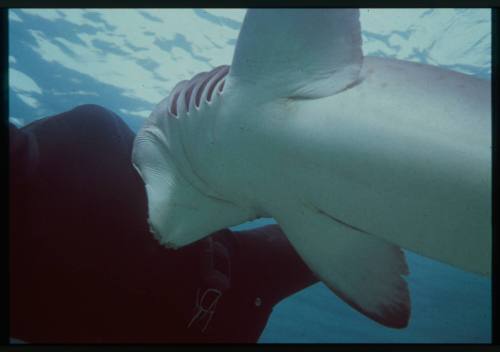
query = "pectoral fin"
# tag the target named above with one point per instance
(297, 53)
(364, 271)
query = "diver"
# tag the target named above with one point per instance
(85, 269)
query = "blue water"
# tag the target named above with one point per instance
(128, 60)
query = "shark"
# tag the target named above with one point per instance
(355, 157)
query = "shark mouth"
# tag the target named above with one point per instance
(198, 89)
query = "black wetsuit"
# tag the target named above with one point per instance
(84, 267)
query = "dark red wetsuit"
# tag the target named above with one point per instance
(84, 267)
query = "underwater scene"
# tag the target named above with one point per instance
(128, 60)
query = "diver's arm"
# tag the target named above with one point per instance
(252, 271)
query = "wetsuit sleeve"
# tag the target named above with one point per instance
(263, 269)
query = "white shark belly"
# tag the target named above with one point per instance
(405, 156)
